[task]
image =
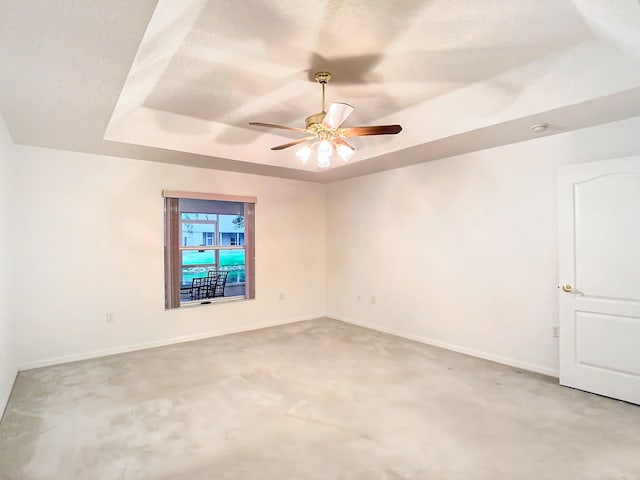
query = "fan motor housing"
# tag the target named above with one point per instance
(315, 119)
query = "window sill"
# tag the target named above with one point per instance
(212, 301)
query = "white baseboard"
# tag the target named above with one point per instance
(455, 348)
(47, 362)
(5, 390)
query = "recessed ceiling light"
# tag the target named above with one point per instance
(540, 127)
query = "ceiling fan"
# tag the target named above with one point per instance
(324, 132)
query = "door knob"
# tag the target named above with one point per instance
(567, 288)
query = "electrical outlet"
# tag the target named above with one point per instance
(359, 298)
(555, 331)
(109, 318)
(373, 300)
(281, 296)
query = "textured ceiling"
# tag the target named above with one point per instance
(179, 81)
(224, 65)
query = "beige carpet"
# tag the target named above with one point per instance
(313, 400)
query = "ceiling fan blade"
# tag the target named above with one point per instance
(340, 141)
(282, 127)
(371, 130)
(337, 113)
(291, 144)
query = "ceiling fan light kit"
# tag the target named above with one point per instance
(324, 132)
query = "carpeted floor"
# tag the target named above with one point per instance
(313, 400)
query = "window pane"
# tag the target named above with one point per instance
(197, 234)
(198, 257)
(231, 228)
(202, 262)
(233, 261)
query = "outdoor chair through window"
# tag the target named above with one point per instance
(218, 281)
(201, 288)
(211, 286)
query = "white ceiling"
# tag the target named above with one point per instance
(179, 81)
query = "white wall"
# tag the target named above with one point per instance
(8, 362)
(64, 285)
(461, 252)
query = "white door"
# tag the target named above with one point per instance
(599, 215)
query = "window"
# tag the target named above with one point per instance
(215, 258)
